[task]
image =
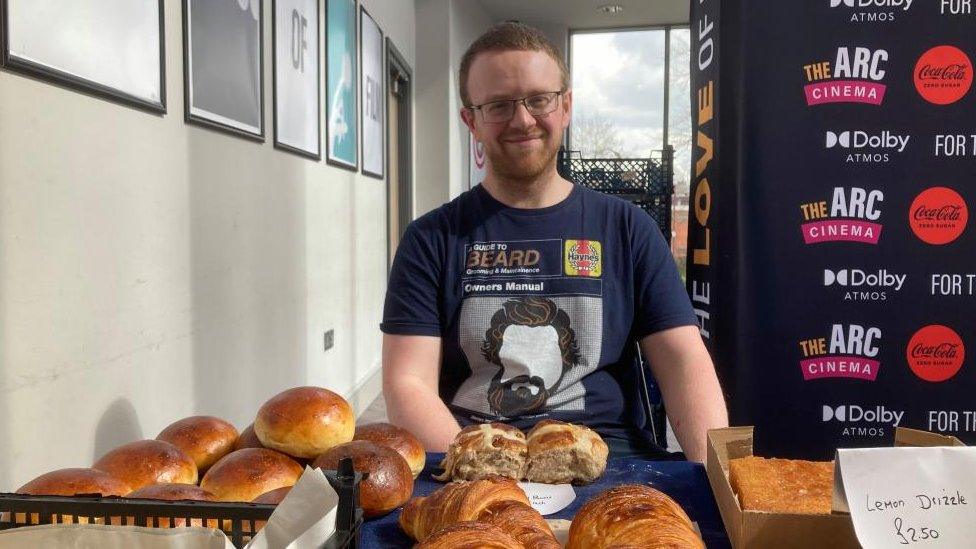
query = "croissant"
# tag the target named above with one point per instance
(471, 535)
(563, 452)
(495, 500)
(632, 515)
(482, 450)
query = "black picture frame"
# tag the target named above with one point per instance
(363, 12)
(318, 84)
(76, 83)
(338, 163)
(404, 179)
(190, 118)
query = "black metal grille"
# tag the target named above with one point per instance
(240, 521)
(645, 182)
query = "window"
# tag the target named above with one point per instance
(680, 137)
(632, 96)
(618, 93)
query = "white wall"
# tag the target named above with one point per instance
(151, 270)
(445, 29)
(468, 22)
(432, 92)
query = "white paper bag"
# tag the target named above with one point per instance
(304, 519)
(99, 536)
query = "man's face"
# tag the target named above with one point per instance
(525, 146)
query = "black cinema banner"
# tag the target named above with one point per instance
(831, 262)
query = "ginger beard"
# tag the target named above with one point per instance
(514, 159)
(525, 147)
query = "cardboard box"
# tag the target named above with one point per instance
(759, 529)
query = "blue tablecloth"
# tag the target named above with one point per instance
(684, 481)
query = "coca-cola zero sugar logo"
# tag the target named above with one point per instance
(935, 353)
(943, 75)
(938, 215)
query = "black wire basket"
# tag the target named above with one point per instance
(645, 182)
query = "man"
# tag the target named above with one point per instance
(522, 298)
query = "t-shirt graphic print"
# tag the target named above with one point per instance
(528, 339)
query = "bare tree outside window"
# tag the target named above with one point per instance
(596, 137)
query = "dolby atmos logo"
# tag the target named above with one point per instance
(861, 285)
(861, 147)
(873, 11)
(852, 413)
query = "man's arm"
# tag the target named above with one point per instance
(411, 366)
(692, 395)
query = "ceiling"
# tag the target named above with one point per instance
(583, 14)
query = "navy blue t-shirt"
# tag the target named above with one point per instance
(538, 309)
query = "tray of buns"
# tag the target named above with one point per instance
(202, 471)
(239, 521)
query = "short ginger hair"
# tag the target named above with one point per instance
(509, 36)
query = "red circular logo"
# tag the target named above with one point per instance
(935, 353)
(943, 75)
(479, 155)
(938, 215)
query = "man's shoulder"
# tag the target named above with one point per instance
(603, 200)
(619, 212)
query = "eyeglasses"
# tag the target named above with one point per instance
(497, 112)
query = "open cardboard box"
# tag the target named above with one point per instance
(759, 529)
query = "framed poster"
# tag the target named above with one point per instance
(110, 48)
(297, 111)
(223, 63)
(341, 126)
(476, 161)
(372, 97)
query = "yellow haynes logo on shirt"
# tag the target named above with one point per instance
(583, 258)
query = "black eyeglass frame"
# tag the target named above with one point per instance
(521, 100)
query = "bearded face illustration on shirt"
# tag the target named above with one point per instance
(530, 356)
(532, 343)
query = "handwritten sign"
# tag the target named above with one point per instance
(908, 497)
(548, 498)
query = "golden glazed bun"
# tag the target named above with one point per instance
(175, 492)
(147, 462)
(246, 474)
(204, 438)
(248, 439)
(398, 439)
(305, 421)
(75, 481)
(70, 482)
(273, 497)
(389, 484)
